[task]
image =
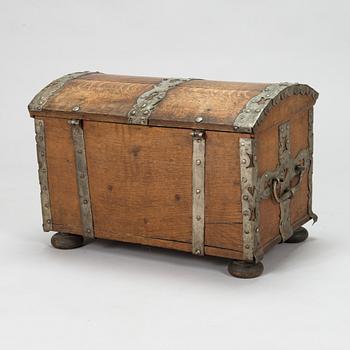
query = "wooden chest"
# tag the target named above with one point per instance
(207, 167)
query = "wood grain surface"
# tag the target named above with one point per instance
(104, 97)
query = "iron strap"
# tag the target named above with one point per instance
(145, 104)
(249, 200)
(39, 101)
(43, 177)
(82, 178)
(198, 182)
(277, 183)
(257, 107)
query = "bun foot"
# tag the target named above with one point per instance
(62, 240)
(245, 269)
(298, 236)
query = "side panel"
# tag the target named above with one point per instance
(223, 217)
(295, 110)
(62, 177)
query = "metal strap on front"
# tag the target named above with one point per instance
(198, 181)
(249, 200)
(82, 178)
(43, 177)
(145, 104)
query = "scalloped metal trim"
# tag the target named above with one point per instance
(258, 106)
(39, 101)
(145, 103)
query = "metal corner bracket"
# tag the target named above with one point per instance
(82, 178)
(198, 191)
(43, 176)
(249, 200)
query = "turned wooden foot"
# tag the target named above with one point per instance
(298, 236)
(62, 240)
(245, 269)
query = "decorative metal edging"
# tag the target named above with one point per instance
(249, 199)
(39, 101)
(258, 106)
(198, 182)
(43, 177)
(312, 215)
(82, 178)
(145, 104)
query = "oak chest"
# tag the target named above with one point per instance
(206, 167)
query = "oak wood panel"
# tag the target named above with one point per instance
(97, 97)
(62, 176)
(217, 105)
(223, 218)
(224, 253)
(293, 109)
(140, 181)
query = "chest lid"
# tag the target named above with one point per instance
(184, 103)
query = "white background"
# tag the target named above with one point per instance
(107, 295)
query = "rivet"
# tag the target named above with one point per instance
(247, 110)
(42, 153)
(143, 105)
(145, 112)
(47, 206)
(80, 151)
(88, 230)
(246, 213)
(246, 232)
(242, 143)
(244, 161)
(235, 127)
(198, 191)
(198, 162)
(266, 175)
(247, 246)
(267, 95)
(257, 110)
(48, 221)
(245, 197)
(133, 112)
(197, 252)
(198, 217)
(75, 108)
(257, 230)
(85, 201)
(198, 119)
